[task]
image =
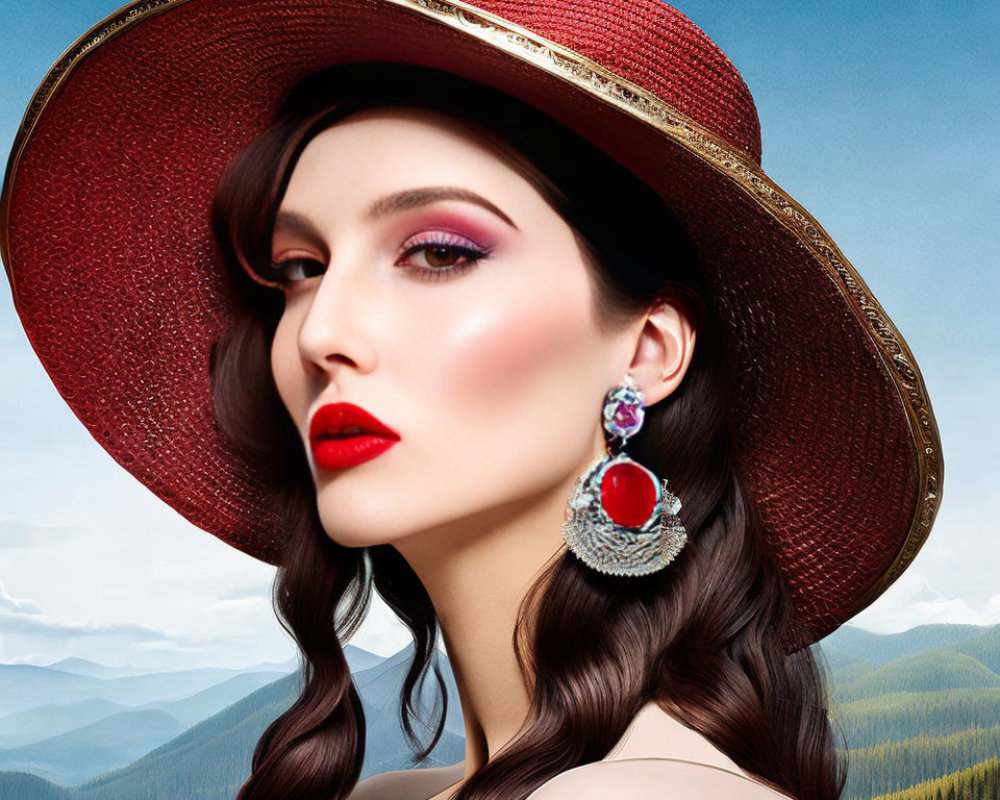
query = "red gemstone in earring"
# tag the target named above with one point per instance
(627, 494)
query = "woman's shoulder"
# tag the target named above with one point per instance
(408, 784)
(657, 752)
(648, 778)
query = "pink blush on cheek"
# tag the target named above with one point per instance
(503, 355)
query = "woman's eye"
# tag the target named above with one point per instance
(441, 255)
(430, 256)
(290, 270)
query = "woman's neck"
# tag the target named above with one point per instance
(476, 573)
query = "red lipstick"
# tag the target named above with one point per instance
(344, 435)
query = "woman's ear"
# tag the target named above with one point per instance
(664, 350)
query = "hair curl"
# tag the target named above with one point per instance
(703, 638)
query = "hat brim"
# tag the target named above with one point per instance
(105, 235)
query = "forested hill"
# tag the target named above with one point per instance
(916, 707)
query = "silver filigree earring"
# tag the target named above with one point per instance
(621, 518)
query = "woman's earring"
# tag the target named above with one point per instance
(621, 518)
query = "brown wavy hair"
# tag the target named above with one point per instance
(704, 637)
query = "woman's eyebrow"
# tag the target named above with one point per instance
(412, 198)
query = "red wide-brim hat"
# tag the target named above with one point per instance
(121, 287)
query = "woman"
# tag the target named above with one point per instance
(390, 366)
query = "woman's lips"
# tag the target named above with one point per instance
(344, 435)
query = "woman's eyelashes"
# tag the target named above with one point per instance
(432, 256)
(440, 253)
(296, 268)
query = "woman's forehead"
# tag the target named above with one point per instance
(388, 151)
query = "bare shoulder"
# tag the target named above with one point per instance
(652, 779)
(404, 784)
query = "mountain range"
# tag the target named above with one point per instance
(912, 707)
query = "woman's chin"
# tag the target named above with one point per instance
(363, 534)
(360, 525)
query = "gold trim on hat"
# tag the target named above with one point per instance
(592, 78)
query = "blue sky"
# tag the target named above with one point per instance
(879, 117)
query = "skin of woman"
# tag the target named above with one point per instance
(489, 368)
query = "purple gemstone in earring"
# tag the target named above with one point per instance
(623, 411)
(627, 417)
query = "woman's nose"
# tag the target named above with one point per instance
(338, 324)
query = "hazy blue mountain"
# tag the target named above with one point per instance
(907, 685)
(23, 786)
(358, 660)
(882, 648)
(284, 667)
(215, 698)
(382, 684)
(209, 761)
(80, 754)
(842, 667)
(117, 739)
(386, 744)
(985, 648)
(80, 666)
(212, 759)
(139, 689)
(23, 687)
(834, 659)
(44, 722)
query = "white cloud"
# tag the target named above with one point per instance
(241, 604)
(953, 578)
(20, 534)
(381, 632)
(170, 597)
(32, 637)
(40, 626)
(14, 604)
(260, 589)
(913, 601)
(993, 607)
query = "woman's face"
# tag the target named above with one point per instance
(431, 285)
